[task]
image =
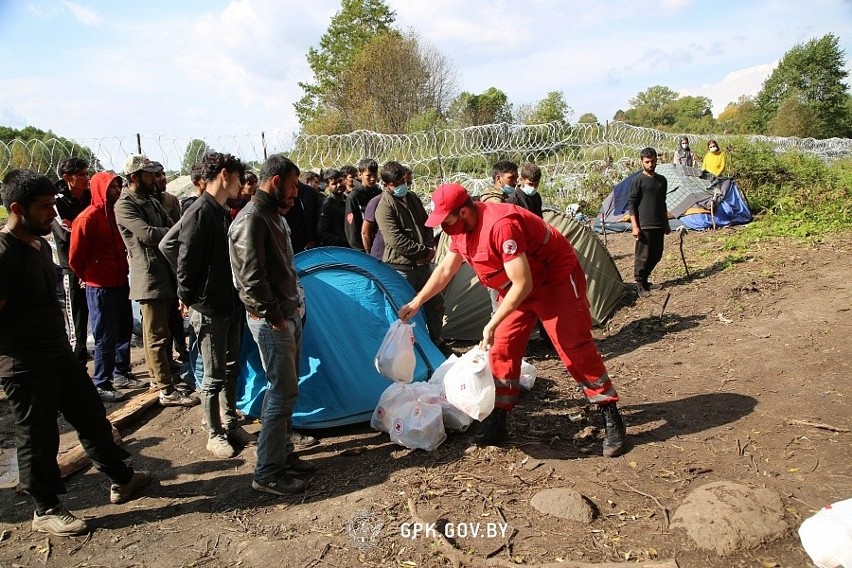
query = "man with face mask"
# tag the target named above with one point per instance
(98, 256)
(526, 194)
(38, 370)
(504, 175)
(143, 223)
(409, 243)
(537, 276)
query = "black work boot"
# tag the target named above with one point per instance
(615, 431)
(493, 430)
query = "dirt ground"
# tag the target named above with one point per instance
(731, 375)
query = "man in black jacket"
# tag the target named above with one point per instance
(356, 202)
(303, 218)
(72, 197)
(205, 285)
(262, 262)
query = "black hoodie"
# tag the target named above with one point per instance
(67, 207)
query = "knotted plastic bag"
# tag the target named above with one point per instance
(528, 375)
(418, 426)
(470, 386)
(391, 400)
(395, 358)
(454, 419)
(827, 535)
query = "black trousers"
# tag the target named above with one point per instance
(648, 252)
(77, 316)
(36, 397)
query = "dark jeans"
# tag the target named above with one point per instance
(35, 397)
(112, 325)
(648, 252)
(76, 316)
(176, 328)
(219, 345)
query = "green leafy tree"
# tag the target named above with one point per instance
(815, 72)
(587, 118)
(195, 150)
(738, 117)
(40, 150)
(693, 114)
(794, 117)
(552, 108)
(489, 107)
(416, 80)
(351, 28)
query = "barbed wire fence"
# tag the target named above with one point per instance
(571, 157)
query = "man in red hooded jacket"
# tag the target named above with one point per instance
(99, 258)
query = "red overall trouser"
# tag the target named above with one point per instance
(561, 304)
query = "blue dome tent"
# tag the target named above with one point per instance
(693, 200)
(351, 301)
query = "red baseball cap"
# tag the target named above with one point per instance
(446, 199)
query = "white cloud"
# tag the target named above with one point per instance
(736, 83)
(85, 15)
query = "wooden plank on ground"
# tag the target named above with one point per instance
(76, 459)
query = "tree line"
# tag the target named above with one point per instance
(805, 96)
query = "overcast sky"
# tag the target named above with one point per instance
(193, 68)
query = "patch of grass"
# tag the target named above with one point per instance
(791, 194)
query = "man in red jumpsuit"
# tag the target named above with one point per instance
(537, 276)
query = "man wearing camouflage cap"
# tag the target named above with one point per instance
(143, 222)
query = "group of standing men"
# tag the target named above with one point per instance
(40, 371)
(229, 273)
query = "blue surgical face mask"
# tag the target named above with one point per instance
(507, 189)
(400, 190)
(528, 189)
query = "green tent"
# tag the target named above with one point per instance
(468, 305)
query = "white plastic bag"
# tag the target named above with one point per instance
(827, 535)
(418, 426)
(441, 372)
(392, 398)
(470, 386)
(528, 375)
(454, 419)
(395, 358)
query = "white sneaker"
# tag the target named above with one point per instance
(59, 521)
(121, 493)
(219, 446)
(177, 398)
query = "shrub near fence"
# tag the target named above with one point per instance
(580, 162)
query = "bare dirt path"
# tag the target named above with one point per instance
(736, 380)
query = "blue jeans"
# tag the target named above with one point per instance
(219, 346)
(280, 352)
(192, 370)
(112, 325)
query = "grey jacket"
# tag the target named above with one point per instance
(402, 222)
(143, 222)
(262, 261)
